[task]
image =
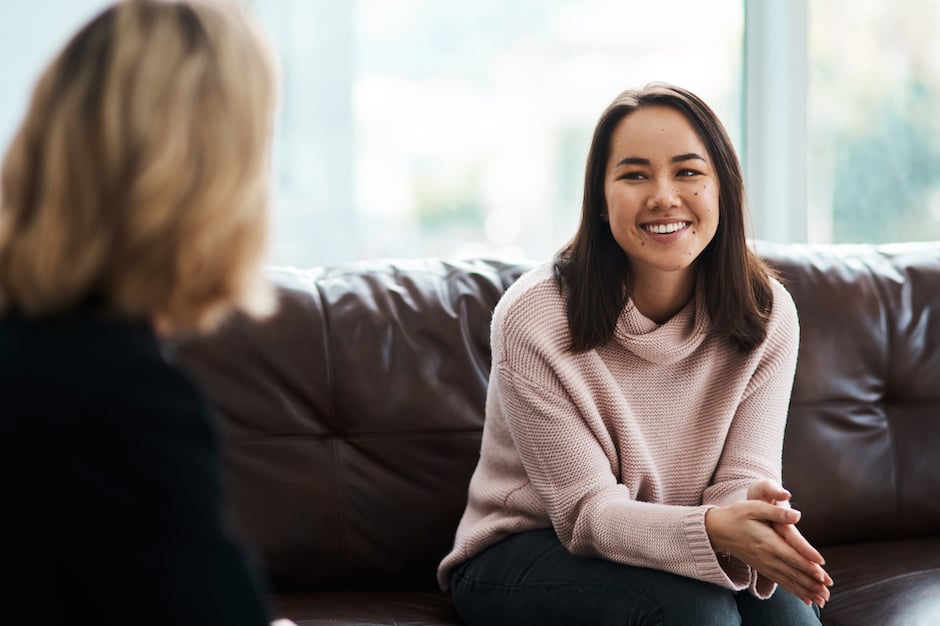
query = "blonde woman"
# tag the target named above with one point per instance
(133, 206)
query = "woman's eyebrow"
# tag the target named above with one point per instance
(689, 156)
(633, 161)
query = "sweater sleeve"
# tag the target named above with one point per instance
(753, 447)
(568, 461)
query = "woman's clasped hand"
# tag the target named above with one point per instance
(762, 532)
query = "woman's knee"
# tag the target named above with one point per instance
(532, 579)
(648, 598)
(702, 604)
(781, 609)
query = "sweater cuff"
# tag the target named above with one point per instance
(730, 573)
(761, 586)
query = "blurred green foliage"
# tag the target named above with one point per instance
(886, 183)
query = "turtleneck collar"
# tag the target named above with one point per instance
(666, 343)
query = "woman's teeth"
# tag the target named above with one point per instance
(663, 229)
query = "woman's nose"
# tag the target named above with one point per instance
(663, 195)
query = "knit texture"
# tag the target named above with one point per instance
(622, 449)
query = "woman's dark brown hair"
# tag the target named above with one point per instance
(737, 287)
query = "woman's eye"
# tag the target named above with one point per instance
(688, 172)
(633, 176)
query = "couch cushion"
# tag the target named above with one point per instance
(889, 583)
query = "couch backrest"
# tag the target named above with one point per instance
(351, 420)
(863, 438)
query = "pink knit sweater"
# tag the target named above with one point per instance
(623, 448)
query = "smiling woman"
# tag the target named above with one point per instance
(639, 389)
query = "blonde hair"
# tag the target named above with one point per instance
(139, 177)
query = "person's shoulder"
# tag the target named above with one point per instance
(535, 288)
(91, 364)
(531, 315)
(534, 296)
(783, 328)
(149, 384)
(134, 361)
(784, 308)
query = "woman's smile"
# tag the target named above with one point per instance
(666, 228)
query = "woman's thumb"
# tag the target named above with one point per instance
(768, 490)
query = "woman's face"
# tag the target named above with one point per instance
(661, 191)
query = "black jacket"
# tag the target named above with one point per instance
(110, 483)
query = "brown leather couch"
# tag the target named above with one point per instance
(352, 419)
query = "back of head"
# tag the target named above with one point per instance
(139, 177)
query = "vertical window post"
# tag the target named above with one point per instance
(775, 142)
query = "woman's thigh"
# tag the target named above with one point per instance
(781, 609)
(530, 578)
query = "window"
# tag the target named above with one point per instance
(874, 95)
(456, 129)
(453, 128)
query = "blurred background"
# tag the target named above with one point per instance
(458, 128)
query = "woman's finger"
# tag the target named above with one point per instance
(771, 513)
(768, 490)
(795, 581)
(786, 566)
(798, 542)
(798, 561)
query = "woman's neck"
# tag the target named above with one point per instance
(660, 295)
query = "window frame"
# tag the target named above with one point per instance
(775, 118)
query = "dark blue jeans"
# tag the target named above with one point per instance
(530, 578)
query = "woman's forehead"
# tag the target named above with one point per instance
(656, 131)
